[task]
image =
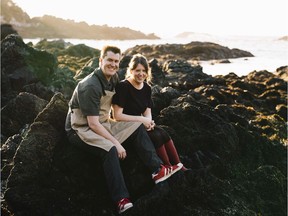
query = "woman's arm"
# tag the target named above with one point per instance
(148, 114)
(120, 116)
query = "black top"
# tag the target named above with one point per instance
(132, 100)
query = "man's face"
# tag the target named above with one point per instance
(110, 64)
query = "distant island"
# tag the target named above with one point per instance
(285, 38)
(53, 27)
(191, 34)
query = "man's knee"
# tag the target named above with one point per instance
(111, 154)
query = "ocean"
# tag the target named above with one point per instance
(270, 52)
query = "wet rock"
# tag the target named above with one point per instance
(20, 111)
(229, 130)
(22, 65)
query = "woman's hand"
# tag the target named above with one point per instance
(151, 125)
(147, 122)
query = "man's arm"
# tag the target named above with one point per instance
(97, 127)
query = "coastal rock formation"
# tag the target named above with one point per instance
(53, 27)
(282, 72)
(22, 65)
(229, 130)
(192, 51)
(285, 38)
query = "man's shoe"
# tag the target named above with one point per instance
(123, 205)
(165, 172)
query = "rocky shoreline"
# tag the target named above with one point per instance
(230, 130)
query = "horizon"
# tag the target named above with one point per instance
(224, 17)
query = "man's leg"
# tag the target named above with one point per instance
(114, 176)
(111, 166)
(146, 151)
(144, 148)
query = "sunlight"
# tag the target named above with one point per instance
(225, 17)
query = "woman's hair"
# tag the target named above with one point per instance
(135, 61)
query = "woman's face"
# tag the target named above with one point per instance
(139, 74)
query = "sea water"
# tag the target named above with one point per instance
(269, 53)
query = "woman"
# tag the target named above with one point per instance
(132, 102)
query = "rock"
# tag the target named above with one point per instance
(22, 65)
(20, 111)
(34, 159)
(192, 51)
(7, 29)
(229, 130)
(284, 38)
(282, 72)
(88, 68)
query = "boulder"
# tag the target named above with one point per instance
(229, 130)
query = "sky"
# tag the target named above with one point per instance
(167, 18)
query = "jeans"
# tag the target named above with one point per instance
(144, 148)
(111, 165)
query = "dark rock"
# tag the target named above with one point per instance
(7, 29)
(8, 150)
(20, 111)
(88, 68)
(39, 90)
(282, 72)
(192, 51)
(22, 65)
(33, 161)
(124, 63)
(224, 61)
(229, 130)
(54, 46)
(158, 75)
(282, 111)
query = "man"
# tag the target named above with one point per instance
(89, 127)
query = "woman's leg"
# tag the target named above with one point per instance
(164, 146)
(158, 137)
(172, 153)
(162, 153)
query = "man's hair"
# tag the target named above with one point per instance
(108, 48)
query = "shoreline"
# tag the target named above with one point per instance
(269, 52)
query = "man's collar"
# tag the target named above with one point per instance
(101, 75)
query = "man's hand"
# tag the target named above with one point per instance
(121, 151)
